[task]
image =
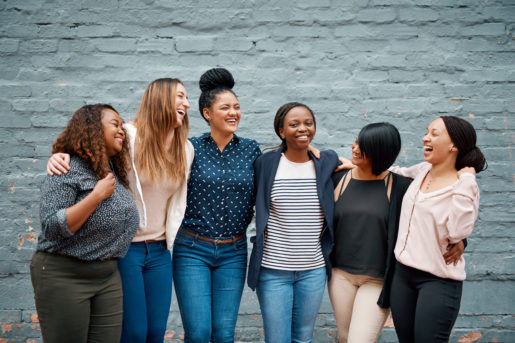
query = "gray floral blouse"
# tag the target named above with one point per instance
(107, 233)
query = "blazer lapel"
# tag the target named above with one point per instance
(271, 177)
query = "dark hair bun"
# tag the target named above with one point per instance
(463, 136)
(216, 78)
(474, 158)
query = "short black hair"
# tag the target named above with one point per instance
(381, 143)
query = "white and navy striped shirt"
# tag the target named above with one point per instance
(292, 236)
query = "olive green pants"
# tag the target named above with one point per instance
(77, 301)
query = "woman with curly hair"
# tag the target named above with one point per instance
(88, 219)
(160, 159)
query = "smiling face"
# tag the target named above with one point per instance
(438, 146)
(224, 114)
(358, 159)
(181, 104)
(113, 132)
(298, 129)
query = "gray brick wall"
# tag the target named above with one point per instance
(353, 62)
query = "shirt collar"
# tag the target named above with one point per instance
(207, 136)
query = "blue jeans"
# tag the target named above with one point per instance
(146, 273)
(289, 302)
(208, 281)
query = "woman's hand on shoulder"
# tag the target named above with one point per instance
(466, 170)
(58, 163)
(344, 164)
(314, 151)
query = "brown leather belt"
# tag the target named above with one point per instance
(214, 241)
(148, 241)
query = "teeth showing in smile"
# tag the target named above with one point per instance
(428, 148)
(181, 112)
(232, 121)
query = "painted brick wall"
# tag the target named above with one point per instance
(354, 62)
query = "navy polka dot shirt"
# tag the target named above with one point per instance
(221, 187)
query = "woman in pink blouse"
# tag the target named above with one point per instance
(439, 208)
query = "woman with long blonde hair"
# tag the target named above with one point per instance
(160, 159)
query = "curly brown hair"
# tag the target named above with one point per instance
(84, 137)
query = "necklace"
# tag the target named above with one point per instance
(430, 178)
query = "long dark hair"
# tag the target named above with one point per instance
(463, 135)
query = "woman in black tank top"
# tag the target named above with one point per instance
(366, 215)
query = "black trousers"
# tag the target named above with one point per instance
(424, 306)
(79, 302)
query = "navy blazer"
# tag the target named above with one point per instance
(265, 168)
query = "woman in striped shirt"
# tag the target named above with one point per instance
(294, 232)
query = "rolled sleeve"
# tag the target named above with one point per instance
(62, 223)
(57, 194)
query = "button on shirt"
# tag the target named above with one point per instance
(221, 187)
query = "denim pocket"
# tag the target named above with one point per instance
(241, 244)
(184, 240)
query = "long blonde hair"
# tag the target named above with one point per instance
(155, 120)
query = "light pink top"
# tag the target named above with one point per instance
(175, 204)
(430, 221)
(156, 197)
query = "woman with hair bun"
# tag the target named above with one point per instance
(210, 250)
(439, 208)
(88, 219)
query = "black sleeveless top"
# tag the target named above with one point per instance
(360, 225)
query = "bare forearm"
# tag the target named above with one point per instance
(77, 214)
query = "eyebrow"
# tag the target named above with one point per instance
(301, 119)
